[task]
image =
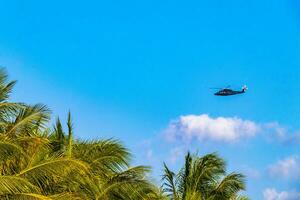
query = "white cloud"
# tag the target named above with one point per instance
(288, 168)
(275, 127)
(273, 194)
(204, 127)
(279, 133)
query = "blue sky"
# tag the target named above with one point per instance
(131, 69)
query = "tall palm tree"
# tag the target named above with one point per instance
(203, 178)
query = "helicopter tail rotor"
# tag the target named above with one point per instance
(244, 88)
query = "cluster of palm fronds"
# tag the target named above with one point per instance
(203, 178)
(37, 162)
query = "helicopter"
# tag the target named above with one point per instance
(227, 92)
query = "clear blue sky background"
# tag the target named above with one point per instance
(127, 68)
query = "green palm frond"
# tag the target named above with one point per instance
(132, 174)
(70, 135)
(26, 196)
(5, 86)
(65, 196)
(10, 150)
(127, 180)
(7, 109)
(35, 146)
(169, 185)
(58, 140)
(28, 119)
(103, 155)
(203, 178)
(240, 197)
(133, 191)
(229, 186)
(204, 171)
(184, 175)
(14, 185)
(53, 168)
(157, 194)
(6, 90)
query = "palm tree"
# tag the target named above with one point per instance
(110, 175)
(203, 178)
(41, 163)
(97, 169)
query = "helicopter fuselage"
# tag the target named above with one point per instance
(228, 92)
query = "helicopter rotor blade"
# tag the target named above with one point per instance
(245, 87)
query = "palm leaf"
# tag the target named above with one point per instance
(14, 185)
(58, 142)
(126, 180)
(169, 184)
(5, 88)
(27, 196)
(52, 168)
(103, 155)
(29, 118)
(9, 150)
(70, 135)
(229, 186)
